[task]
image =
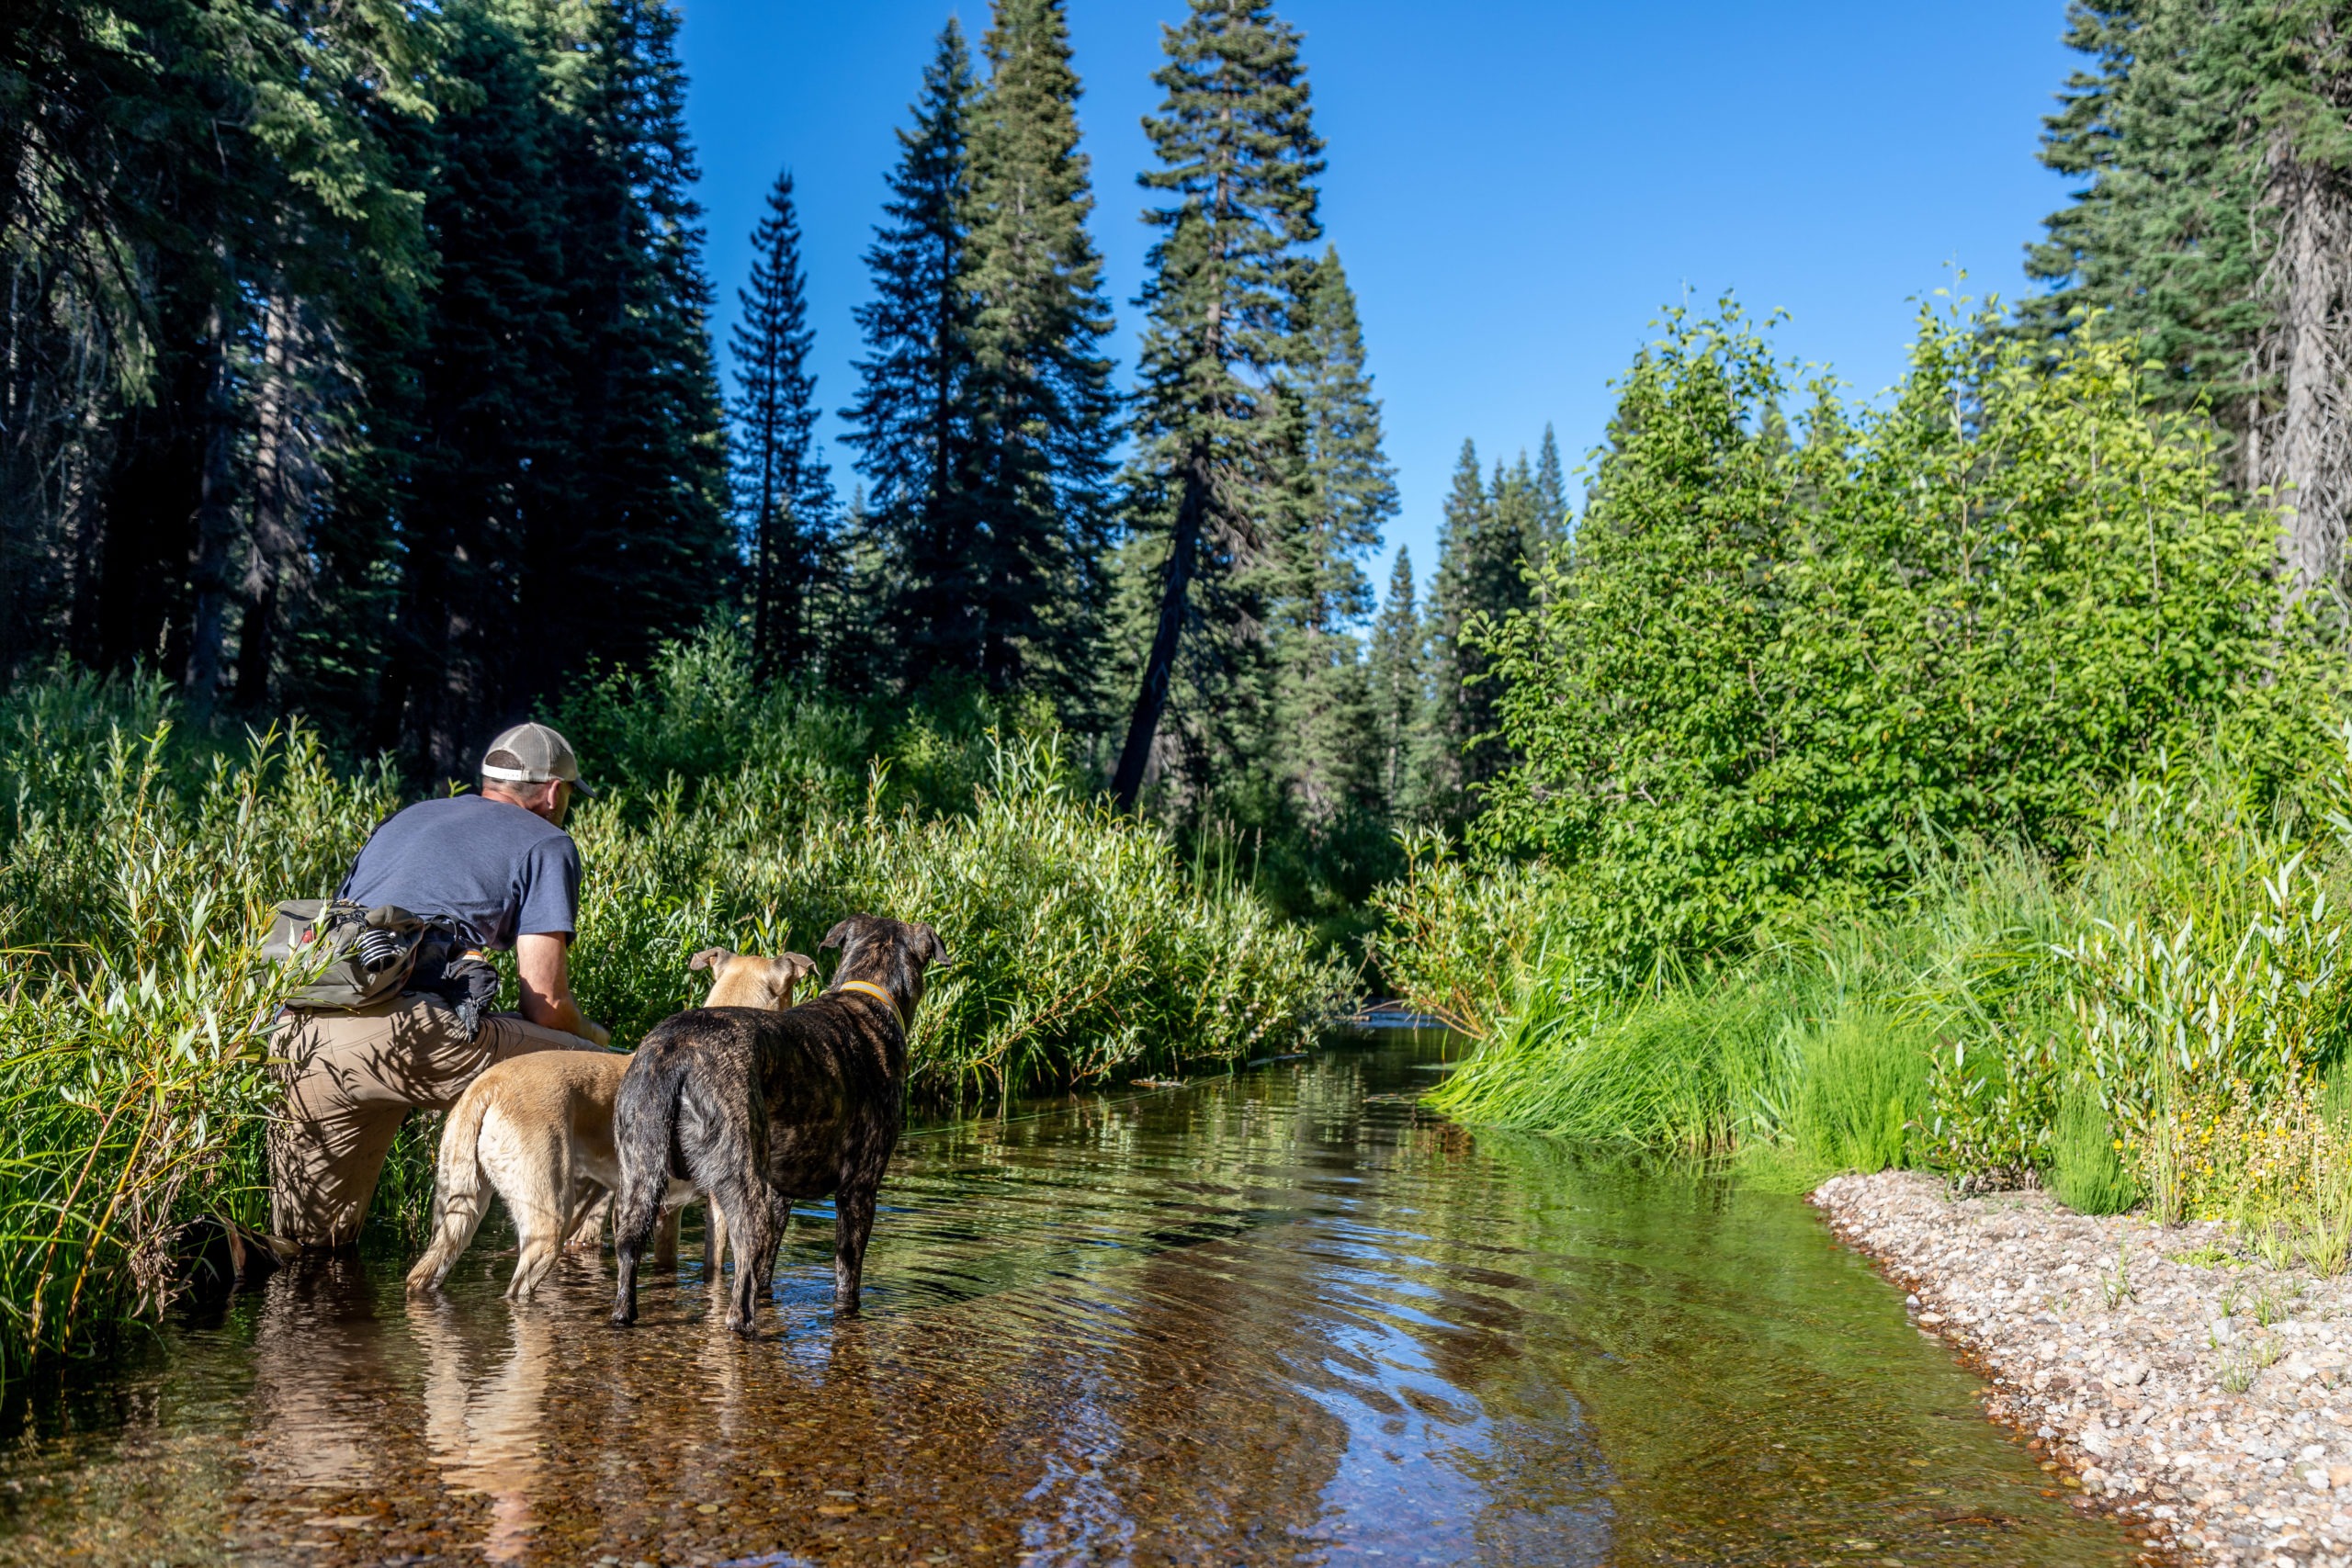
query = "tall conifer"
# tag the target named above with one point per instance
(1399, 668)
(783, 490)
(1238, 158)
(913, 422)
(1551, 499)
(632, 561)
(1046, 411)
(1344, 494)
(1481, 577)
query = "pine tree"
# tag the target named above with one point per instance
(1481, 577)
(1046, 415)
(1343, 492)
(2214, 140)
(479, 427)
(1551, 501)
(1399, 661)
(1226, 298)
(783, 492)
(912, 424)
(632, 561)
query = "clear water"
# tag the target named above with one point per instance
(1287, 1317)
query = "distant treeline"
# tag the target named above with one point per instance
(358, 364)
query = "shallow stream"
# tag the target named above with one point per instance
(1286, 1318)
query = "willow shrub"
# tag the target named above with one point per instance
(137, 867)
(132, 1016)
(1079, 951)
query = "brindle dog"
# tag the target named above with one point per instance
(759, 1109)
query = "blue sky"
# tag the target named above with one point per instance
(1515, 187)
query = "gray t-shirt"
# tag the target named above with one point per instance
(491, 867)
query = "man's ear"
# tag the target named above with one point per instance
(933, 949)
(839, 934)
(709, 958)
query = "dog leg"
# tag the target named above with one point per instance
(714, 1245)
(742, 1209)
(540, 1199)
(853, 1223)
(666, 1240)
(590, 1203)
(636, 1215)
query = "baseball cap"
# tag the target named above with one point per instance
(532, 754)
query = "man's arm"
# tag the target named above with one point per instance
(543, 960)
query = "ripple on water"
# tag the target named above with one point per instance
(1287, 1317)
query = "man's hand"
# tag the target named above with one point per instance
(542, 958)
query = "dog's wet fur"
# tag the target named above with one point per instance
(762, 1109)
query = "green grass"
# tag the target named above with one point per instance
(2087, 1171)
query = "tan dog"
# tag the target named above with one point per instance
(538, 1129)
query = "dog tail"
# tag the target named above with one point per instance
(461, 1192)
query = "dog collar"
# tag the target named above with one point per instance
(871, 989)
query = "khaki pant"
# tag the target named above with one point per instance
(350, 1077)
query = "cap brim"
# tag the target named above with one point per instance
(580, 787)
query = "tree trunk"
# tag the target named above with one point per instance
(216, 523)
(1183, 544)
(273, 560)
(2309, 463)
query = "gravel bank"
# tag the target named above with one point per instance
(2194, 1391)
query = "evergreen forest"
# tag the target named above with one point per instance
(1986, 744)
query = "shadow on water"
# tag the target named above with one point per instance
(1287, 1317)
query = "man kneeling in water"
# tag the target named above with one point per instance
(498, 869)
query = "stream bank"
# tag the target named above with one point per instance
(2200, 1395)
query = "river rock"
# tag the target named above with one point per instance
(2200, 1399)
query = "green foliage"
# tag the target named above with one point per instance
(1459, 938)
(1764, 669)
(1684, 1070)
(2086, 1168)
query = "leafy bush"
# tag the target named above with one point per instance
(1766, 669)
(1460, 936)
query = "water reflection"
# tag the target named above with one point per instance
(1283, 1319)
(481, 1427)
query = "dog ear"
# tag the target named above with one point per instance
(839, 933)
(932, 947)
(786, 974)
(710, 958)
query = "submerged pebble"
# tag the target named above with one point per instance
(2197, 1394)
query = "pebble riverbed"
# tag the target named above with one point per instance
(2197, 1393)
